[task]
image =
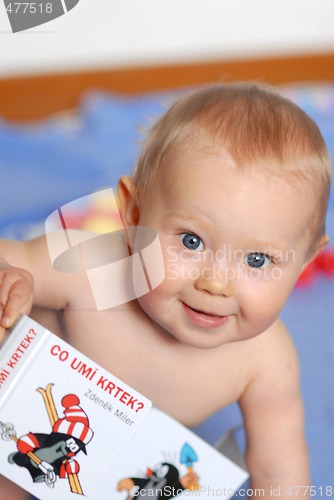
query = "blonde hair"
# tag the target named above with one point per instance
(255, 124)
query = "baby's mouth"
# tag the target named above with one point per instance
(205, 313)
(204, 319)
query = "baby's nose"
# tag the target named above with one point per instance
(216, 279)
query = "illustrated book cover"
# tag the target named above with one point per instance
(70, 429)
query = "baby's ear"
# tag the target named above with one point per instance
(127, 200)
(316, 249)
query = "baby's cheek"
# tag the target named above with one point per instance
(261, 307)
(178, 272)
(148, 303)
(252, 325)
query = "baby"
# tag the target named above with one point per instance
(235, 181)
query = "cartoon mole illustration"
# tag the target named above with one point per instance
(48, 456)
(162, 482)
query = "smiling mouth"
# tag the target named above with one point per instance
(204, 319)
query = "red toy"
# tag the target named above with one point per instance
(323, 264)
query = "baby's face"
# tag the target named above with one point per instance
(234, 243)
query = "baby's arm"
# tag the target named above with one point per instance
(27, 277)
(273, 413)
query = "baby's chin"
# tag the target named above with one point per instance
(198, 339)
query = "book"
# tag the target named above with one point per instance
(69, 428)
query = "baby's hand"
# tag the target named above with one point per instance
(16, 294)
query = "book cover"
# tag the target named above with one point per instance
(68, 428)
(64, 419)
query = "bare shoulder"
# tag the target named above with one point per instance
(271, 401)
(273, 369)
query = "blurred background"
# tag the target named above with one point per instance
(126, 33)
(76, 91)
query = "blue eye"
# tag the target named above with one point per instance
(257, 260)
(191, 241)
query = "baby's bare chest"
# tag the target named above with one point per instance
(189, 384)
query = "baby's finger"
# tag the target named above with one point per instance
(2, 334)
(8, 279)
(20, 299)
